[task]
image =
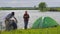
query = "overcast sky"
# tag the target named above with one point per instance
(28, 3)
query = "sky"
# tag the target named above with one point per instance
(28, 3)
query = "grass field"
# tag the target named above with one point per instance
(51, 30)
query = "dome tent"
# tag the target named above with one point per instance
(44, 23)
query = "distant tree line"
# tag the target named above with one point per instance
(43, 7)
(18, 8)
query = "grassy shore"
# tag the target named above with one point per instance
(54, 30)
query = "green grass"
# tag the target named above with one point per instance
(51, 30)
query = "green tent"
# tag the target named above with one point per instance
(44, 22)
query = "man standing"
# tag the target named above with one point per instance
(26, 19)
(7, 19)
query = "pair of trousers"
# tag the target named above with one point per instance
(25, 24)
(14, 25)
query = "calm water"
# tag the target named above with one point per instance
(34, 14)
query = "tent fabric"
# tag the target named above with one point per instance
(37, 23)
(44, 23)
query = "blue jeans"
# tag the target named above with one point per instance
(14, 25)
(25, 24)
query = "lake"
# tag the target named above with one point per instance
(34, 14)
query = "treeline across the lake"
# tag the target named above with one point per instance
(30, 8)
(42, 6)
(18, 8)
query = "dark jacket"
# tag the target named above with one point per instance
(26, 17)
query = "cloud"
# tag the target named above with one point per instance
(27, 3)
